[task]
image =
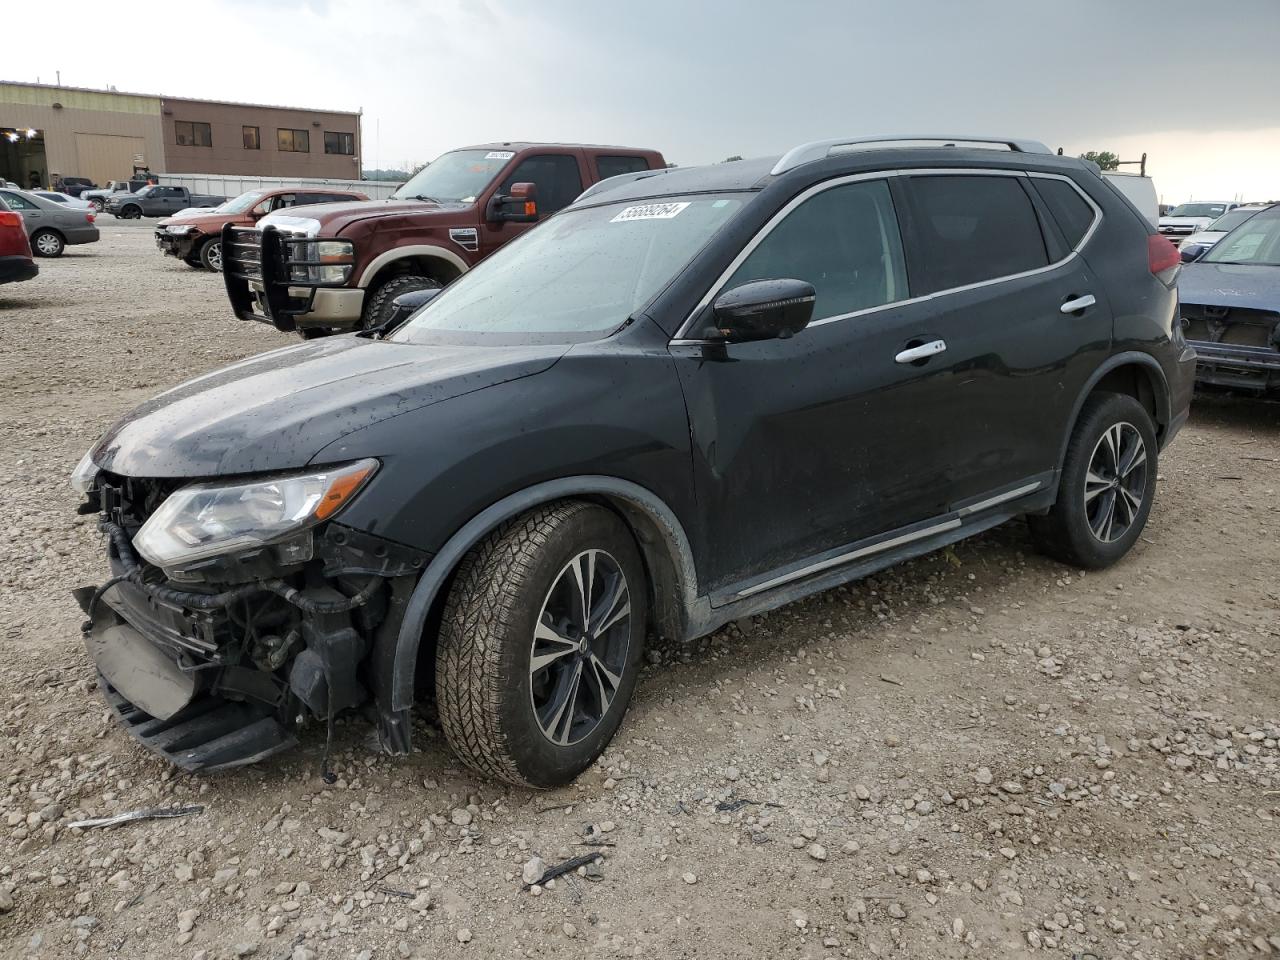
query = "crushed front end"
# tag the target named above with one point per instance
(215, 643)
(1236, 346)
(176, 240)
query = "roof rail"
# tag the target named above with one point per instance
(819, 149)
(617, 180)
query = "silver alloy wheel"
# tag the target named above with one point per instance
(580, 647)
(214, 256)
(48, 244)
(1116, 482)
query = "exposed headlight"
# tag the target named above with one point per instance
(209, 519)
(83, 476)
(326, 261)
(179, 230)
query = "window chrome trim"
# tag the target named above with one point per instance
(680, 339)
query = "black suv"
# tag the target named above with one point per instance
(691, 396)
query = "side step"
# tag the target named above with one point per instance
(207, 735)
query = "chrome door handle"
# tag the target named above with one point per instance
(1078, 303)
(922, 352)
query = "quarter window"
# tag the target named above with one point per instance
(340, 143)
(191, 134)
(1073, 215)
(844, 241)
(293, 141)
(613, 166)
(251, 139)
(972, 228)
(556, 177)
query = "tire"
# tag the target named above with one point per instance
(47, 243)
(377, 306)
(131, 212)
(98, 204)
(211, 254)
(1102, 505)
(516, 592)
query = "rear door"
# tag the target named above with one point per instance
(1021, 320)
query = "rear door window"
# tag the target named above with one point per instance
(613, 166)
(556, 177)
(844, 241)
(1072, 213)
(16, 202)
(967, 229)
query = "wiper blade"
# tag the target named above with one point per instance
(426, 199)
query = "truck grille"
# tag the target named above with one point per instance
(242, 255)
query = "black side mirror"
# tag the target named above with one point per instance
(764, 310)
(402, 308)
(1192, 252)
(519, 206)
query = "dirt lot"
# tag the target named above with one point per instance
(978, 754)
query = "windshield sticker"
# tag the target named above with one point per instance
(650, 211)
(499, 155)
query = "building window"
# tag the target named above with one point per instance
(251, 141)
(293, 141)
(193, 134)
(341, 143)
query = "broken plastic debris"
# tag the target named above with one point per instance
(145, 813)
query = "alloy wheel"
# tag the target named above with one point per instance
(1116, 482)
(214, 256)
(580, 647)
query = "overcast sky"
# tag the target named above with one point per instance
(1194, 83)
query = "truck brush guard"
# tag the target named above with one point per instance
(279, 273)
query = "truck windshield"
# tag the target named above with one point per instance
(241, 203)
(145, 191)
(1198, 210)
(577, 277)
(459, 176)
(1255, 242)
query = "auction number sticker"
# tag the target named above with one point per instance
(499, 155)
(650, 211)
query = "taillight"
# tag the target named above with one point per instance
(1163, 258)
(8, 219)
(89, 216)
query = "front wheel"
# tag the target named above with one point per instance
(131, 212)
(540, 644)
(1107, 487)
(211, 254)
(98, 204)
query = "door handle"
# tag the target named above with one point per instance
(922, 352)
(1076, 304)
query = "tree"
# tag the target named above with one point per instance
(1105, 159)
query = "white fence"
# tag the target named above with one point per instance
(228, 186)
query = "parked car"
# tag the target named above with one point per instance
(155, 200)
(196, 236)
(16, 262)
(642, 412)
(1231, 306)
(73, 203)
(1188, 218)
(51, 226)
(113, 188)
(435, 227)
(74, 186)
(1139, 189)
(1196, 244)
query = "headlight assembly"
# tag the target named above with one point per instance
(84, 475)
(321, 261)
(180, 230)
(210, 519)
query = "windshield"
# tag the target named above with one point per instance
(458, 176)
(241, 203)
(1256, 241)
(1229, 221)
(1199, 210)
(143, 192)
(579, 276)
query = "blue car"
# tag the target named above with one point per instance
(1231, 306)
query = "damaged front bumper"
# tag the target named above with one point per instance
(1235, 347)
(180, 245)
(224, 672)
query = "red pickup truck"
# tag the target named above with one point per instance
(195, 236)
(338, 267)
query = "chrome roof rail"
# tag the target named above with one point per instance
(819, 149)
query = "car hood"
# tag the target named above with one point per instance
(1230, 285)
(334, 217)
(1185, 221)
(1206, 238)
(204, 220)
(277, 410)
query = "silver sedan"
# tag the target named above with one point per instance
(50, 226)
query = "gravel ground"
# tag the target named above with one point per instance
(980, 753)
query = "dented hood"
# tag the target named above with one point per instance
(277, 410)
(1230, 285)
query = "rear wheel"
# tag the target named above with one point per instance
(1107, 487)
(540, 644)
(377, 305)
(211, 254)
(47, 243)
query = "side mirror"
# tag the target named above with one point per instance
(519, 206)
(764, 310)
(1192, 252)
(403, 307)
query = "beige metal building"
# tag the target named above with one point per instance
(104, 135)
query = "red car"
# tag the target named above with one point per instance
(16, 262)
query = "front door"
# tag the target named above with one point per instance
(557, 178)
